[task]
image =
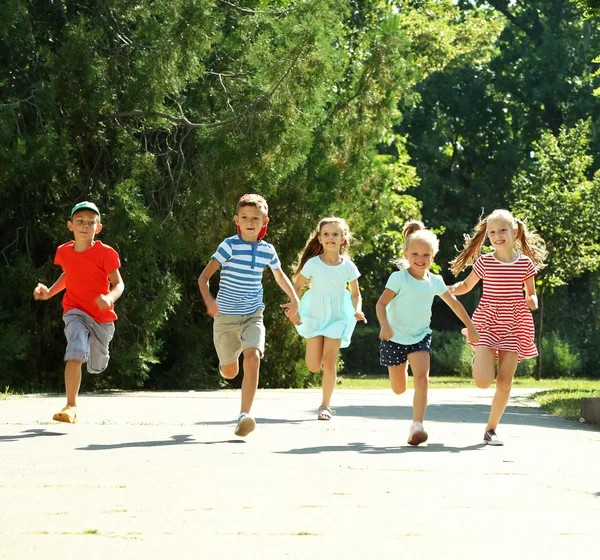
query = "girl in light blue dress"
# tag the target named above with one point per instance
(328, 311)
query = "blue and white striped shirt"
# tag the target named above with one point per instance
(243, 262)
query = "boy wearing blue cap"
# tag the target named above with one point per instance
(93, 284)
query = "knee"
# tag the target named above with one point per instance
(398, 389)
(481, 382)
(313, 365)
(251, 360)
(504, 385)
(229, 371)
(421, 382)
(330, 362)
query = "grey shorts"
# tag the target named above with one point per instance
(87, 340)
(232, 334)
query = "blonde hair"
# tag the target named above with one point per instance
(253, 200)
(313, 246)
(529, 242)
(415, 230)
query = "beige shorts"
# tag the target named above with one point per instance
(232, 334)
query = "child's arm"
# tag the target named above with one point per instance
(203, 282)
(530, 295)
(117, 287)
(291, 308)
(462, 314)
(357, 301)
(42, 292)
(386, 331)
(465, 286)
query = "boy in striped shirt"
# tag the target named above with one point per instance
(238, 309)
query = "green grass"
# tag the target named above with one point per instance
(383, 382)
(564, 402)
(561, 397)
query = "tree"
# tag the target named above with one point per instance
(554, 192)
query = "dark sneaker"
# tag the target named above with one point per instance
(245, 425)
(491, 438)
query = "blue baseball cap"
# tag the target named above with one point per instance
(85, 206)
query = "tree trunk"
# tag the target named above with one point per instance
(540, 333)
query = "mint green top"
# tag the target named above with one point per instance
(409, 313)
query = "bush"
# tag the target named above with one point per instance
(559, 357)
(451, 354)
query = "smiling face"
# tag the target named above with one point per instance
(331, 237)
(419, 255)
(84, 224)
(250, 220)
(501, 234)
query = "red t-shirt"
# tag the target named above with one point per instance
(86, 275)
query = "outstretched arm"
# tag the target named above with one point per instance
(117, 287)
(357, 301)
(42, 292)
(386, 331)
(203, 283)
(465, 286)
(530, 295)
(462, 314)
(281, 278)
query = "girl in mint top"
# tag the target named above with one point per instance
(404, 314)
(328, 311)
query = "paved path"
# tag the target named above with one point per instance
(161, 475)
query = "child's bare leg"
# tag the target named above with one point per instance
(331, 348)
(507, 365)
(229, 371)
(398, 377)
(72, 381)
(420, 364)
(250, 381)
(314, 353)
(483, 366)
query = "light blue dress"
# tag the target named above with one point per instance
(326, 308)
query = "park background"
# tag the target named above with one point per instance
(165, 113)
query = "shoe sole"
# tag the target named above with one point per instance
(417, 438)
(494, 443)
(245, 426)
(61, 417)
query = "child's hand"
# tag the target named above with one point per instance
(532, 302)
(104, 302)
(360, 316)
(295, 319)
(386, 333)
(212, 308)
(41, 292)
(290, 308)
(472, 334)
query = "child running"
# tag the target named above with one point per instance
(238, 309)
(93, 284)
(328, 311)
(404, 314)
(503, 316)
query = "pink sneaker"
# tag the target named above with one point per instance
(417, 434)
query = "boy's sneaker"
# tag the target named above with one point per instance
(417, 434)
(491, 438)
(245, 425)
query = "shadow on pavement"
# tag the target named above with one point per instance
(25, 434)
(360, 447)
(470, 413)
(175, 440)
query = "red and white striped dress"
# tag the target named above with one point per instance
(502, 318)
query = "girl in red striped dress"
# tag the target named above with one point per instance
(503, 317)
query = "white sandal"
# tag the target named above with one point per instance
(325, 413)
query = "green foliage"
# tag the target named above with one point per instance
(560, 358)
(553, 191)
(451, 354)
